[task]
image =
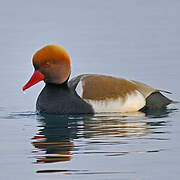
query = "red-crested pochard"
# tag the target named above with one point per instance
(87, 93)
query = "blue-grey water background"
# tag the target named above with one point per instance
(134, 39)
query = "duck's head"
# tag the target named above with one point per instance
(51, 64)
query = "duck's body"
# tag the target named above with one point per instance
(87, 93)
(60, 99)
(91, 93)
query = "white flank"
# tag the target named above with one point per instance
(132, 103)
(79, 89)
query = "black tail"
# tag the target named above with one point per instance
(157, 101)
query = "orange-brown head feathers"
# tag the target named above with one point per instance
(53, 62)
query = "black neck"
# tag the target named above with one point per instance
(63, 85)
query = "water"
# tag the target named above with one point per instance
(133, 39)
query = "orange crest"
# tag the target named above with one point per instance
(51, 53)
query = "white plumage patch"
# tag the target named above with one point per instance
(133, 102)
(79, 89)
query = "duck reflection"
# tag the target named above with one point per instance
(54, 137)
(115, 125)
(54, 141)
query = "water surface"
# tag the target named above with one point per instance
(133, 39)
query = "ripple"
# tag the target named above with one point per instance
(20, 115)
(60, 137)
(82, 172)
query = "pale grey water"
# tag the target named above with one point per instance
(133, 39)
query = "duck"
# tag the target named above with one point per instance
(87, 93)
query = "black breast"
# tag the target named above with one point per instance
(60, 99)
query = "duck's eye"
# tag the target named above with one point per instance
(46, 64)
